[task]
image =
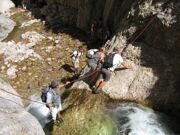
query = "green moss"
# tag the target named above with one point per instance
(85, 115)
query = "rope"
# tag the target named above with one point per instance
(144, 29)
(148, 24)
(20, 96)
(81, 78)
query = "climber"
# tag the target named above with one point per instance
(111, 62)
(53, 101)
(76, 58)
(94, 60)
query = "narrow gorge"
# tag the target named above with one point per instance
(38, 36)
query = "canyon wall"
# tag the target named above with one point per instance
(155, 53)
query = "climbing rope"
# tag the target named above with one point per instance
(16, 95)
(145, 28)
(81, 78)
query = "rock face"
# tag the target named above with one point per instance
(155, 78)
(6, 26)
(6, 5)
(14, 119)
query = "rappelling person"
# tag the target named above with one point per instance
(111, 62)
(94, 60)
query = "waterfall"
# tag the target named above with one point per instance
(134, 119)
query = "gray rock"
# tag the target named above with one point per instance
(6, 26)
(14, 119)
(5, 5)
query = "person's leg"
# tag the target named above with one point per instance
(58, 115)
(101, 85)
(58, 110)
(54, 111)
(98, 82)
(106, 76)
(76, 66)
(100, 79)
(92, 66)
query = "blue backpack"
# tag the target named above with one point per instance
(44, 92)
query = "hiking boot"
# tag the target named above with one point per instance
(93, 88)
(97, 91)
(59, 122)
(54, 121)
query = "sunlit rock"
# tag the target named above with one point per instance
(14, 119)
(11, 72)
(6, 5)
(15, 52)
(32, 37)
(6, 26)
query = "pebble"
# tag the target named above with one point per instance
(48, 59)
(50, 38)
(24, 68)
(3, 67)
(29, 74)
(56, 41)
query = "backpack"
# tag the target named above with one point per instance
(91, 52)
(108, 60)
(44, 92)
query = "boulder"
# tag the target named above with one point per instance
(15, 120)
(6, 26)
(5, 5)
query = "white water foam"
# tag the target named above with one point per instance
(135, 119)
